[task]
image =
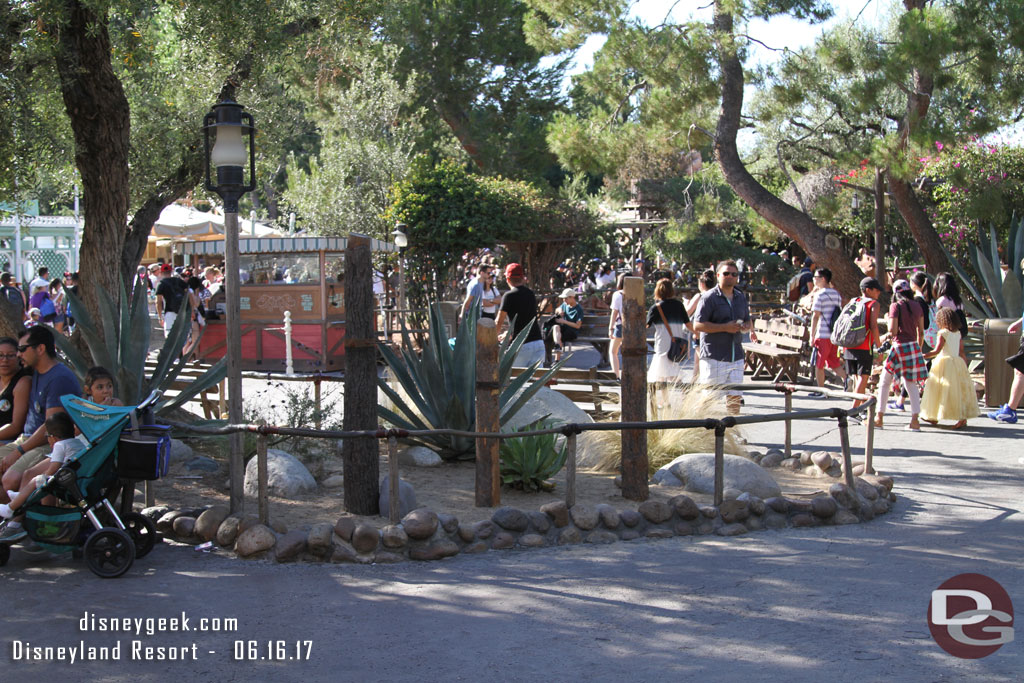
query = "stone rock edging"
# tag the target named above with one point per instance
(426, 535)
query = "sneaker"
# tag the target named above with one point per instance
(894, 405)
(1004, 414)
(11, 534)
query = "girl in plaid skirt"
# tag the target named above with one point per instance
(905, 360)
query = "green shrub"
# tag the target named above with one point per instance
(529, 462)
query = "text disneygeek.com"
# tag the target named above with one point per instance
(143, 648)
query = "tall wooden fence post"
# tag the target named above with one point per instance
(262, 499)
(360, 456)
(844, 444)
(869, 442)
(719, 464)
(570, 470)
(634, 390)
(488, 481)
(394, 510)
(789, 424)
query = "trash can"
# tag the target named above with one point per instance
(999, 345)
(450, 317)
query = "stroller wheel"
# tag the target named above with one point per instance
(5, 554)
(109, 552)
(143, 533)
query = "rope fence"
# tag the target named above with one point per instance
(571, 431)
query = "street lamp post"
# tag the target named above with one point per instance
(401, 241)
(230, 125)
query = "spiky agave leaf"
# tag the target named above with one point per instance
(439, 383)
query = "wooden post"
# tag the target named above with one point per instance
(844, 442)
(789, 424)
(488, 480)
(869, 442)
(222, 403)
(394, 510)
(318, 407)
(233, 350)
(570, 470)
(719, 464)
(263, 502)
(360, 456)
(634, 390)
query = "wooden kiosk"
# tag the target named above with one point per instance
(303, 275)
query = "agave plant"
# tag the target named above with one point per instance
(1005, 293)
(124, 347)
(438, 385)
(529, 462)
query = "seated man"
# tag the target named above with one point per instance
(60, 434)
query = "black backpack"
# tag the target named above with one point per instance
(14, 296)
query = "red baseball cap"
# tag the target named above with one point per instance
(514, 270)
(166, 268)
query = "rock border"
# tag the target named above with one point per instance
(424, 535)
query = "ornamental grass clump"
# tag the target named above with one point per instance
(686, 402)
(529, 462)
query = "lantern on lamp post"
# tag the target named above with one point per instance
(401, 241)
(231, 128)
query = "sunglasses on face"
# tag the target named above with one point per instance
(22, 348)
(729, 273)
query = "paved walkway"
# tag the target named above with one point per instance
(841, 603)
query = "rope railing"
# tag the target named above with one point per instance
(572, 430)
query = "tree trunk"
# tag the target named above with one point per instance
(99, 114)
(920, 225)
(796, 224)
(458, 122)
(183, 179)
(919, 97)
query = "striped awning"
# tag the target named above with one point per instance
(279, 245)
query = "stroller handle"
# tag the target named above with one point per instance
(150, 400)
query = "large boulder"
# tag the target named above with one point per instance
(406, 496)
(559, 409)
(419, 456)
(697, 473)
(286, 476)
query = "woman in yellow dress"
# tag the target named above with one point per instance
(949, 392)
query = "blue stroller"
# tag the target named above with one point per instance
(120, 452)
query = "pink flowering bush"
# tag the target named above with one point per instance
(977, 184)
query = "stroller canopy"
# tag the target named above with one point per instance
(93, 419)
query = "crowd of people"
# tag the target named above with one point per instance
(36, 434)
(922, 348)
(920, 353)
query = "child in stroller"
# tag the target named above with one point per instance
(64, 447)
(84, 487)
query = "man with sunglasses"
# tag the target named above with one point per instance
(51, 380)
(722, 316)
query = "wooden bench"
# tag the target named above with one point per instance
(595, 332)
(781, 352)
(581, 386)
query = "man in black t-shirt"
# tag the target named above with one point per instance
(169, 294)
(519, 305)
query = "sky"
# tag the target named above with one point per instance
(782, 31)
